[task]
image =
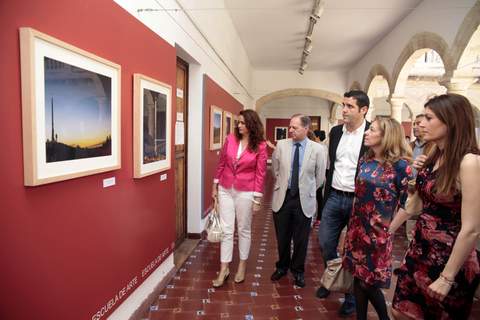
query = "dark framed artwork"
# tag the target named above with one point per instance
(281, 133)
(152, 115)
(227, 123)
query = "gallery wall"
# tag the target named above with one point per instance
(71, 248)
(215, 95)
(271, 123)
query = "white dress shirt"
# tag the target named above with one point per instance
(346, 158)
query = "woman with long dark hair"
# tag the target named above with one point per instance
(238, 184)
(440, 272)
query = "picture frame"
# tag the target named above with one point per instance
(227, 124)
(70, 110)
(216, 127)
(280, 133)
(235, 121)
(152, 124)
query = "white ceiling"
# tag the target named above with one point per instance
(273, 31)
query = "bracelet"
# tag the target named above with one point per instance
(446, 280)
(256, 202)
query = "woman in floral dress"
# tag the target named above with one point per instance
(440, 272)
(380, 190)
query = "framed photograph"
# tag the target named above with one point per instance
(227, 123)
(152, 118)
(216, 127)
(70, 110)
(235, 121)
(281, 133)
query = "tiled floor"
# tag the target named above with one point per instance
(190, 294)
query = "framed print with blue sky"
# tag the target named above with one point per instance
(70, 110)
(216, 127)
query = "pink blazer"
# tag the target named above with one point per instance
(245, 174)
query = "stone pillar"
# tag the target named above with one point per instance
(397, 105)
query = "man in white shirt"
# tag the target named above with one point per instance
(345, 148)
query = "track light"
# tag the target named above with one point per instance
(308, 48)
(318, 9)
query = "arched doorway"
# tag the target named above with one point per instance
(378, 90)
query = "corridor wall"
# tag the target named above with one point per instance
(215, 95)
(73, 249)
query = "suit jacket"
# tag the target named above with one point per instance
(311, 175)
(334, 139)
(245, 174)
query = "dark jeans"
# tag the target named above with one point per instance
(335, 215)
(291, 223)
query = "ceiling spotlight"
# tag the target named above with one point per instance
(308, 48)
(318, 10)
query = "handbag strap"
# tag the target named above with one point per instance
(215, 205)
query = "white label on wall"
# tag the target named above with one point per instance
(163, 177)
(179, 93)
(108, 182)
(179, 116)
(179, 133)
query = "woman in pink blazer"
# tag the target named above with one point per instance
(238, 184)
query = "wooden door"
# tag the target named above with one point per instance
(181, 151)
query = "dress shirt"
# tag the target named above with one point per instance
(346, 158)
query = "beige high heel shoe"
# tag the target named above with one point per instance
(222, 277)
(240, 275)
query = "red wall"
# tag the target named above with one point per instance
(69, 247)
(213, 94)
(407, 127)
(271, 123)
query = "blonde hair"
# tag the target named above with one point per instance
(394, 147)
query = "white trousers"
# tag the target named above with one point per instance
(235, 204)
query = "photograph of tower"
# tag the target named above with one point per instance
(70, 110)
(77, 112)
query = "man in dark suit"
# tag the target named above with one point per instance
(345, 148)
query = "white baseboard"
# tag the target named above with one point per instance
(136, 299)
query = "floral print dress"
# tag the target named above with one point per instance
(380, 189)
(434, 236)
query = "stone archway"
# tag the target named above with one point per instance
(378, 70)
(423, 40)
(327, 95)
(468, 27)
(356, 86)
(378, 80)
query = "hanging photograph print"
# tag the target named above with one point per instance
(70, 110)
(216, 127)
(152, 126)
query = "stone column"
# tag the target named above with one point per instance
(397, 105)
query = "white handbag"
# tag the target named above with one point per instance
(214, 226)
